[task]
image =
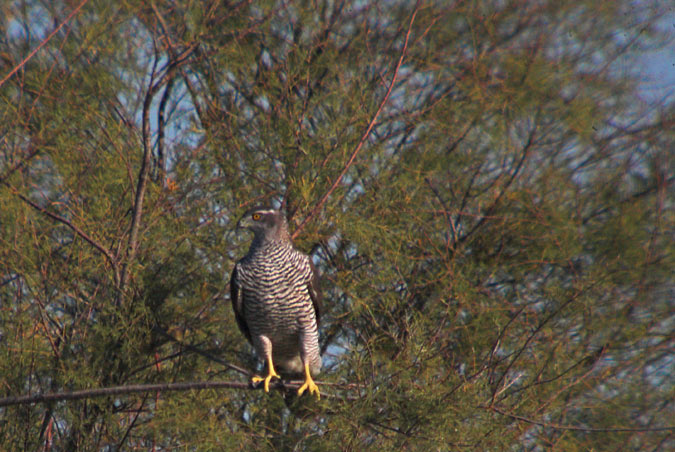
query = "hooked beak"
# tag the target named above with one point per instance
(243, 223)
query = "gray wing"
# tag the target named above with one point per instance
(315, 291)
(237, 298)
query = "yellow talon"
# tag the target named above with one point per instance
(309, 384)
(271, 373)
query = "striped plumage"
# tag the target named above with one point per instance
(275, 297)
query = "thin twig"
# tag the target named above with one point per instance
(142, 182)
(42, 44)
(205, 354)
(526, 152)
(20, 164)
(532, 335)
(108, 255)
(446, 210)
(576, 427)
(366, 134)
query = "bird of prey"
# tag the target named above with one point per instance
(276, 300)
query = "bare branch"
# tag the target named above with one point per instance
(42, 44)
(156, 387)
(579, 428)
(118, 390)
(526, 151)
(87, 238)
(366, 134)
(142, 182)
(161, 125)
(536, 331)
(205, 354)
(20, 164)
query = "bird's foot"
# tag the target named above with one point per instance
(309, 385)
(266, 385)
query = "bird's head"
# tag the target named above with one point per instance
(266, 223)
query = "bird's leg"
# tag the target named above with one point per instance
(309, 384)
(271, 373)
(263, 347)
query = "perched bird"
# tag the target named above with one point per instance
(276, 300)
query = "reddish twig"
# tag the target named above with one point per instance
(366, 134)
(42, 44)
(20, 164)
(103, 250)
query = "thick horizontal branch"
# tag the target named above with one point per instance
(157, 387)
(161, 387)
(118, 390)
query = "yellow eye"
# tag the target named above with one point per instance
(256, 216)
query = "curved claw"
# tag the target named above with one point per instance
(309, 384)
(312, 387)
(271, 373)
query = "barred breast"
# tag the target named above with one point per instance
(277, 304)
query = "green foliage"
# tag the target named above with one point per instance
(496, 259)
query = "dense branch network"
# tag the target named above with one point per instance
(366, 134)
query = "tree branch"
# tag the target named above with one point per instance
(161, 124)
(157, 387)
(118, 390)
(578, 428)
(142, 181)
(20, 164)
(526, 151)
(106, 253)
(366, 134)
(44, 41)
(205, 354)
(153, 89)
(536, 331)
